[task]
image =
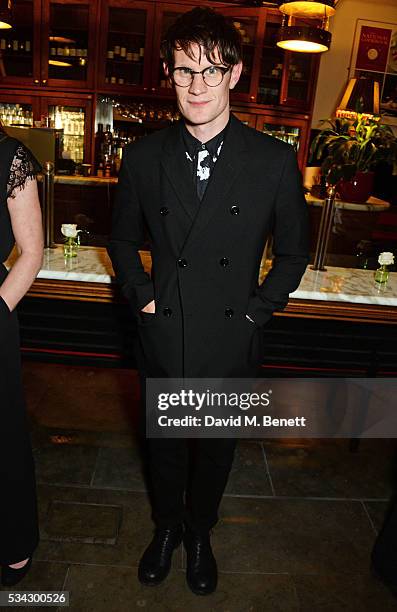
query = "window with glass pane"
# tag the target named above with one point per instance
(247, 29)
(71, 120)
(168, 18)
(271, 67)
(287, 133)
(126, 46)
(298, 76)
(16, 44)
(16, 114)
(68, 42)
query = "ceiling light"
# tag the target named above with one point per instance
(304, 39)
(315, 9)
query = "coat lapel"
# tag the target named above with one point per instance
(233, 158)
(184, 230)
(175, 165)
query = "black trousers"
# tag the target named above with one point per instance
(19, 533)
(186, 477)
(199, 467)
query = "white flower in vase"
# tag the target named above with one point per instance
(386, 258)
(72, 239)
(69, 230)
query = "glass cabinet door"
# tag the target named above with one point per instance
(126, 46)
(299, 81)
(17, 110)
(73, 116)
(166, 15)
(250, 24)
(67, 43)
(19, 46)
(290, 130)
(272, 64)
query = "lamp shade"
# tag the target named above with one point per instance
(315, 9)
(5, 14)
(304, 39)
(361, 96)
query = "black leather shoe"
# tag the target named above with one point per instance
(155, 564)
(201, 571)
(11, 576)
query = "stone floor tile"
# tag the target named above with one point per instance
(117, 589)
(119, 468)
(65, 407)
(65, 464)
(327, 468)
(343, 591)
(377, 512)
(50, 436)
(82, 522)
(292, 535)
(248, 475)
(135, 530)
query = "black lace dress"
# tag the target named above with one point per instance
(19, 534)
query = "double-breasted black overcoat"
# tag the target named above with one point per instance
(206, 255)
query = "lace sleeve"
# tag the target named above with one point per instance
(24, 167)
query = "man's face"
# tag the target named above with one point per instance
(200, 104)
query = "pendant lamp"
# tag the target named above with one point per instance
(315, 9)
(306, 38)
(5, 14)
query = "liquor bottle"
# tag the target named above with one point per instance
(100, 170)
(107, 152)
(99, 137)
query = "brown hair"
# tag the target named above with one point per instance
(206, 28)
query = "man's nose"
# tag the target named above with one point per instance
(198, 85)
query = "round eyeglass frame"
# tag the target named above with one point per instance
(223, 70)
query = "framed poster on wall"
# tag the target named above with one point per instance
(374, 55)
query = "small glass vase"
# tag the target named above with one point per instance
(381, 275)
(70, 247)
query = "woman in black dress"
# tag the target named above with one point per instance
(20, 222)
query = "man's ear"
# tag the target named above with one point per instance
(235, 74)
(166, 71)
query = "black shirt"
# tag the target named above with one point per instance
(202, 157)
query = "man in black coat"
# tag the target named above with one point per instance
(209, 191)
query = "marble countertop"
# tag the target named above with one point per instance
(336, 284)
(346, 285)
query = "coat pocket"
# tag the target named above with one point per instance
(146, 318)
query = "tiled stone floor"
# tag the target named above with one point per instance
(297, 522)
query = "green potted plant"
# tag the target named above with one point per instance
(349, 152)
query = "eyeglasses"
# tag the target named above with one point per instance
(212, 76)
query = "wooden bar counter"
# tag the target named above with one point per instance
(336, 323)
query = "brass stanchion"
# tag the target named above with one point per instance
(327, 218)
(48, 205)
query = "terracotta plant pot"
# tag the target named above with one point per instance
(358, 189)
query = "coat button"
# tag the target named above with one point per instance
(182, 263)
(224, 261)
(164, 211)
(229, 313)
(167, 312)
(234, 210)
